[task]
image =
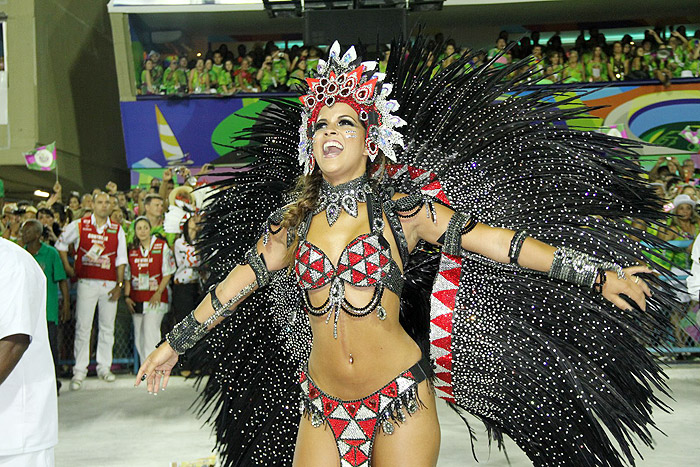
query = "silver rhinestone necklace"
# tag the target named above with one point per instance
(342, 197)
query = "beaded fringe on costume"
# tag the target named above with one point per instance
(356, 423)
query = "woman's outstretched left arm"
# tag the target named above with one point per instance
(455, 230)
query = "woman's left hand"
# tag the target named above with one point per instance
(631, 286)
(155, 300)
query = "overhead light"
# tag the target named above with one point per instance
(327, 5)
(381, 3)
(282, 8)
(425, 5)
(41, 193)
(199, 54)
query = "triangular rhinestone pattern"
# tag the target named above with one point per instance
(355, 423)
(363, 263)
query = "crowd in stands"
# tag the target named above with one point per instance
(225, 73)
(111, 250)
(662, 55)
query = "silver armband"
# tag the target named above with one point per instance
(459, 225)
(189, 331)
(257, 264)
(579, 268)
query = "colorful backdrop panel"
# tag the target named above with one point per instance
(160, 132)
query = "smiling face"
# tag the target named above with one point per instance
(684, 211)
(339, 144)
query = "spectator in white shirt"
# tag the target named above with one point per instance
(28, 412)
(100, 247)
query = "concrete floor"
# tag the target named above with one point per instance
(116, 425)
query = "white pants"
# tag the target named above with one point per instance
(146, 332)
(93, 292)
(43, 458)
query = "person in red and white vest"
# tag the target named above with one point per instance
(100, 259)
(151, 266)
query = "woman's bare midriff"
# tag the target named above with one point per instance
(380, 349)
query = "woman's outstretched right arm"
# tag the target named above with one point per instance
(221, 302)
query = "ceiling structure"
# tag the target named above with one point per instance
(457, 15)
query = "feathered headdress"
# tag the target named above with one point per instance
(349, 80)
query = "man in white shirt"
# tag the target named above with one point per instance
(28, 411)
(100, 258)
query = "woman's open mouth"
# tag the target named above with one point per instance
(332, 148)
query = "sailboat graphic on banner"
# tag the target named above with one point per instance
(168, 142)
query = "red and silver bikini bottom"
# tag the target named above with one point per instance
(356, 423)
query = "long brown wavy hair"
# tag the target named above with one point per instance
(306, 194)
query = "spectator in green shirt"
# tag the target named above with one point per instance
(174, 80)
(312, 61)
(226, 86)
(50, 262)
(184, 66)
(297, 77)
(147, 78)
(157, 69)
(280, 65)
(618, 65)
(266, 76)
(199, 78)
(596, 66)
(213, 75)
(574, 71)
(218, 65)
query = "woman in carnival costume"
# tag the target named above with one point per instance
(447, 236)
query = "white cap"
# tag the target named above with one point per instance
(683, 199)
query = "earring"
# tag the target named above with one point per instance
(312, 164)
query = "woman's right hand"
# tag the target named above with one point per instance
(131, 305)
(155, 370)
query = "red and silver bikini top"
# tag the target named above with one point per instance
(364, 262)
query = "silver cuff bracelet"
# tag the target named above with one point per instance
(579, 268)
(189, 331)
